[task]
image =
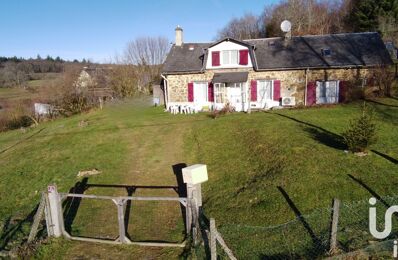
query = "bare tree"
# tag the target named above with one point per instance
(384, 80)
(15, 74)
(142, 62)
(147, 51)
(307, 16)
(246, 27)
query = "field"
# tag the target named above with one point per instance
(34, 90)
(259, 164)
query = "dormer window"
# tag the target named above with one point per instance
(326, 52)
(230, 57)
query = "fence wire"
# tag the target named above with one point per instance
(308, 236)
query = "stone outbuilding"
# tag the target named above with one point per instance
(158, 95)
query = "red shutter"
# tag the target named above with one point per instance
(342, 91)
(210, 92)
(253, 90)
(190, 92)
(277, 90)
(215, 58)
(243, 57)
(311, 93)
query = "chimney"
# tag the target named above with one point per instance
(287, 37)
(179, 39)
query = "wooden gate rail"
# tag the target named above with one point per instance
(182, 200)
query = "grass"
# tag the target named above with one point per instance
(316, 168)
(256, 164)
(31, 91)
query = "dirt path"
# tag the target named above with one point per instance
(154, 150)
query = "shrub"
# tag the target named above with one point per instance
(361, 132)
(20, 115)
(228, 108)
(72, 96)
(384, 79)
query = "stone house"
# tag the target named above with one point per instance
(269, 72)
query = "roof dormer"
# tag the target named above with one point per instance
(229, 53)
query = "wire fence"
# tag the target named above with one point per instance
(308, 236)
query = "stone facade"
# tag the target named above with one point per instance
(293, 82)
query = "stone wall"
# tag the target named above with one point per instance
(292, 81)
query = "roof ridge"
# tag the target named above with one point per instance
(278, 37)
(311, 35)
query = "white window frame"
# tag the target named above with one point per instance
(207, 88)
(265, 81)
(229, 57)
(325, 84)
(219, 89)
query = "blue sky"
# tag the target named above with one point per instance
(99, 29)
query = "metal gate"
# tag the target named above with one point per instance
(56, 225)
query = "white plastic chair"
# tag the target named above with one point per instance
(185, 109)
(174, 109)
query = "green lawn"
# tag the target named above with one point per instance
(254, 161)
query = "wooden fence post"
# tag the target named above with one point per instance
(335, 220)
(38, 217)
(120, 216)
(188, 209)
(55, 211)
(213, 240)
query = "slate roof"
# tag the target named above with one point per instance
(230, 77)
(182, 59)
(347, 50)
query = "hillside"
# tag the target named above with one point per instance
(132, 144)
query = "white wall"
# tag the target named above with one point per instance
(227, 45)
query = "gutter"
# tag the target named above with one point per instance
(305, 87)
(166, 91)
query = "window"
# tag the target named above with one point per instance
(234, 57)
(264, 90)
(219, 92)
(200, 92)
(230, 57)
(327, 92)
(225, 57)
(326, 52)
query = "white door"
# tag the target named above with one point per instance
(264, 93)
(200, 94)
(236, 95)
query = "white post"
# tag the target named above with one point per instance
(55, 210)
(213, 240)
(189, 207)
(335, 221)
(193, 176)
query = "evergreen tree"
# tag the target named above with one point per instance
(366, 14)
